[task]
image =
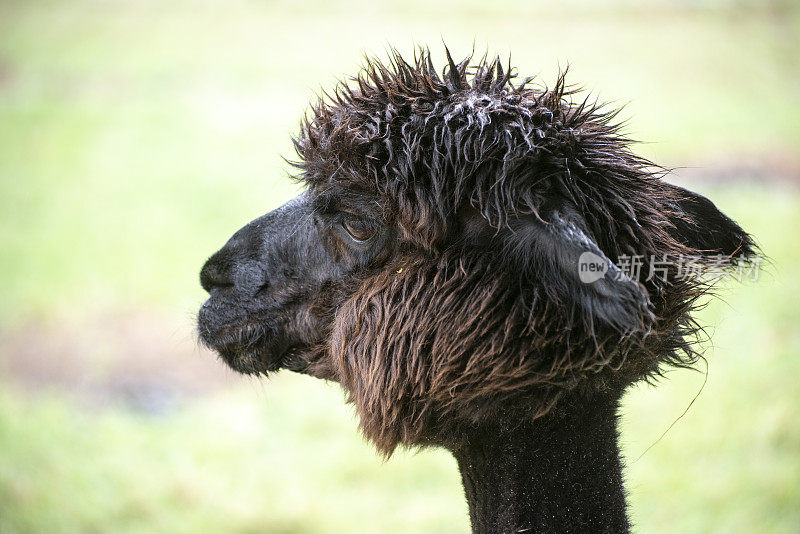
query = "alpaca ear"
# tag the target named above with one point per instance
(700, 225)
(560, 256)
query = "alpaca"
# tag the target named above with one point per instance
(456, 263)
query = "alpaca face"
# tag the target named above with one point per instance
(432, 265)
(270, 283)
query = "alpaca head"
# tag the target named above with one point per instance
(454, 256)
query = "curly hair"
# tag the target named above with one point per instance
(464, 321)
(457, 258)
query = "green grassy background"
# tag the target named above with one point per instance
(136, 136)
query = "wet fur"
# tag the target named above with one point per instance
(492, 186)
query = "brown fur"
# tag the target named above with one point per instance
(441, 335)
(471, 311)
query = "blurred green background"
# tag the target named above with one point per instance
(136, 136)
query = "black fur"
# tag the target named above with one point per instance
(434, 266)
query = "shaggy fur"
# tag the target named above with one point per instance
(426, 339)
(432, 267)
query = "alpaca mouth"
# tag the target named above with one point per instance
(251, 351)
(249, 348)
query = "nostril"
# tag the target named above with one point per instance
(213, 276)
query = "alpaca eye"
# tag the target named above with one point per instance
(358, 229)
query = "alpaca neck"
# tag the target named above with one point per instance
(558, 473)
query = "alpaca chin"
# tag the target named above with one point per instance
(248, 349)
